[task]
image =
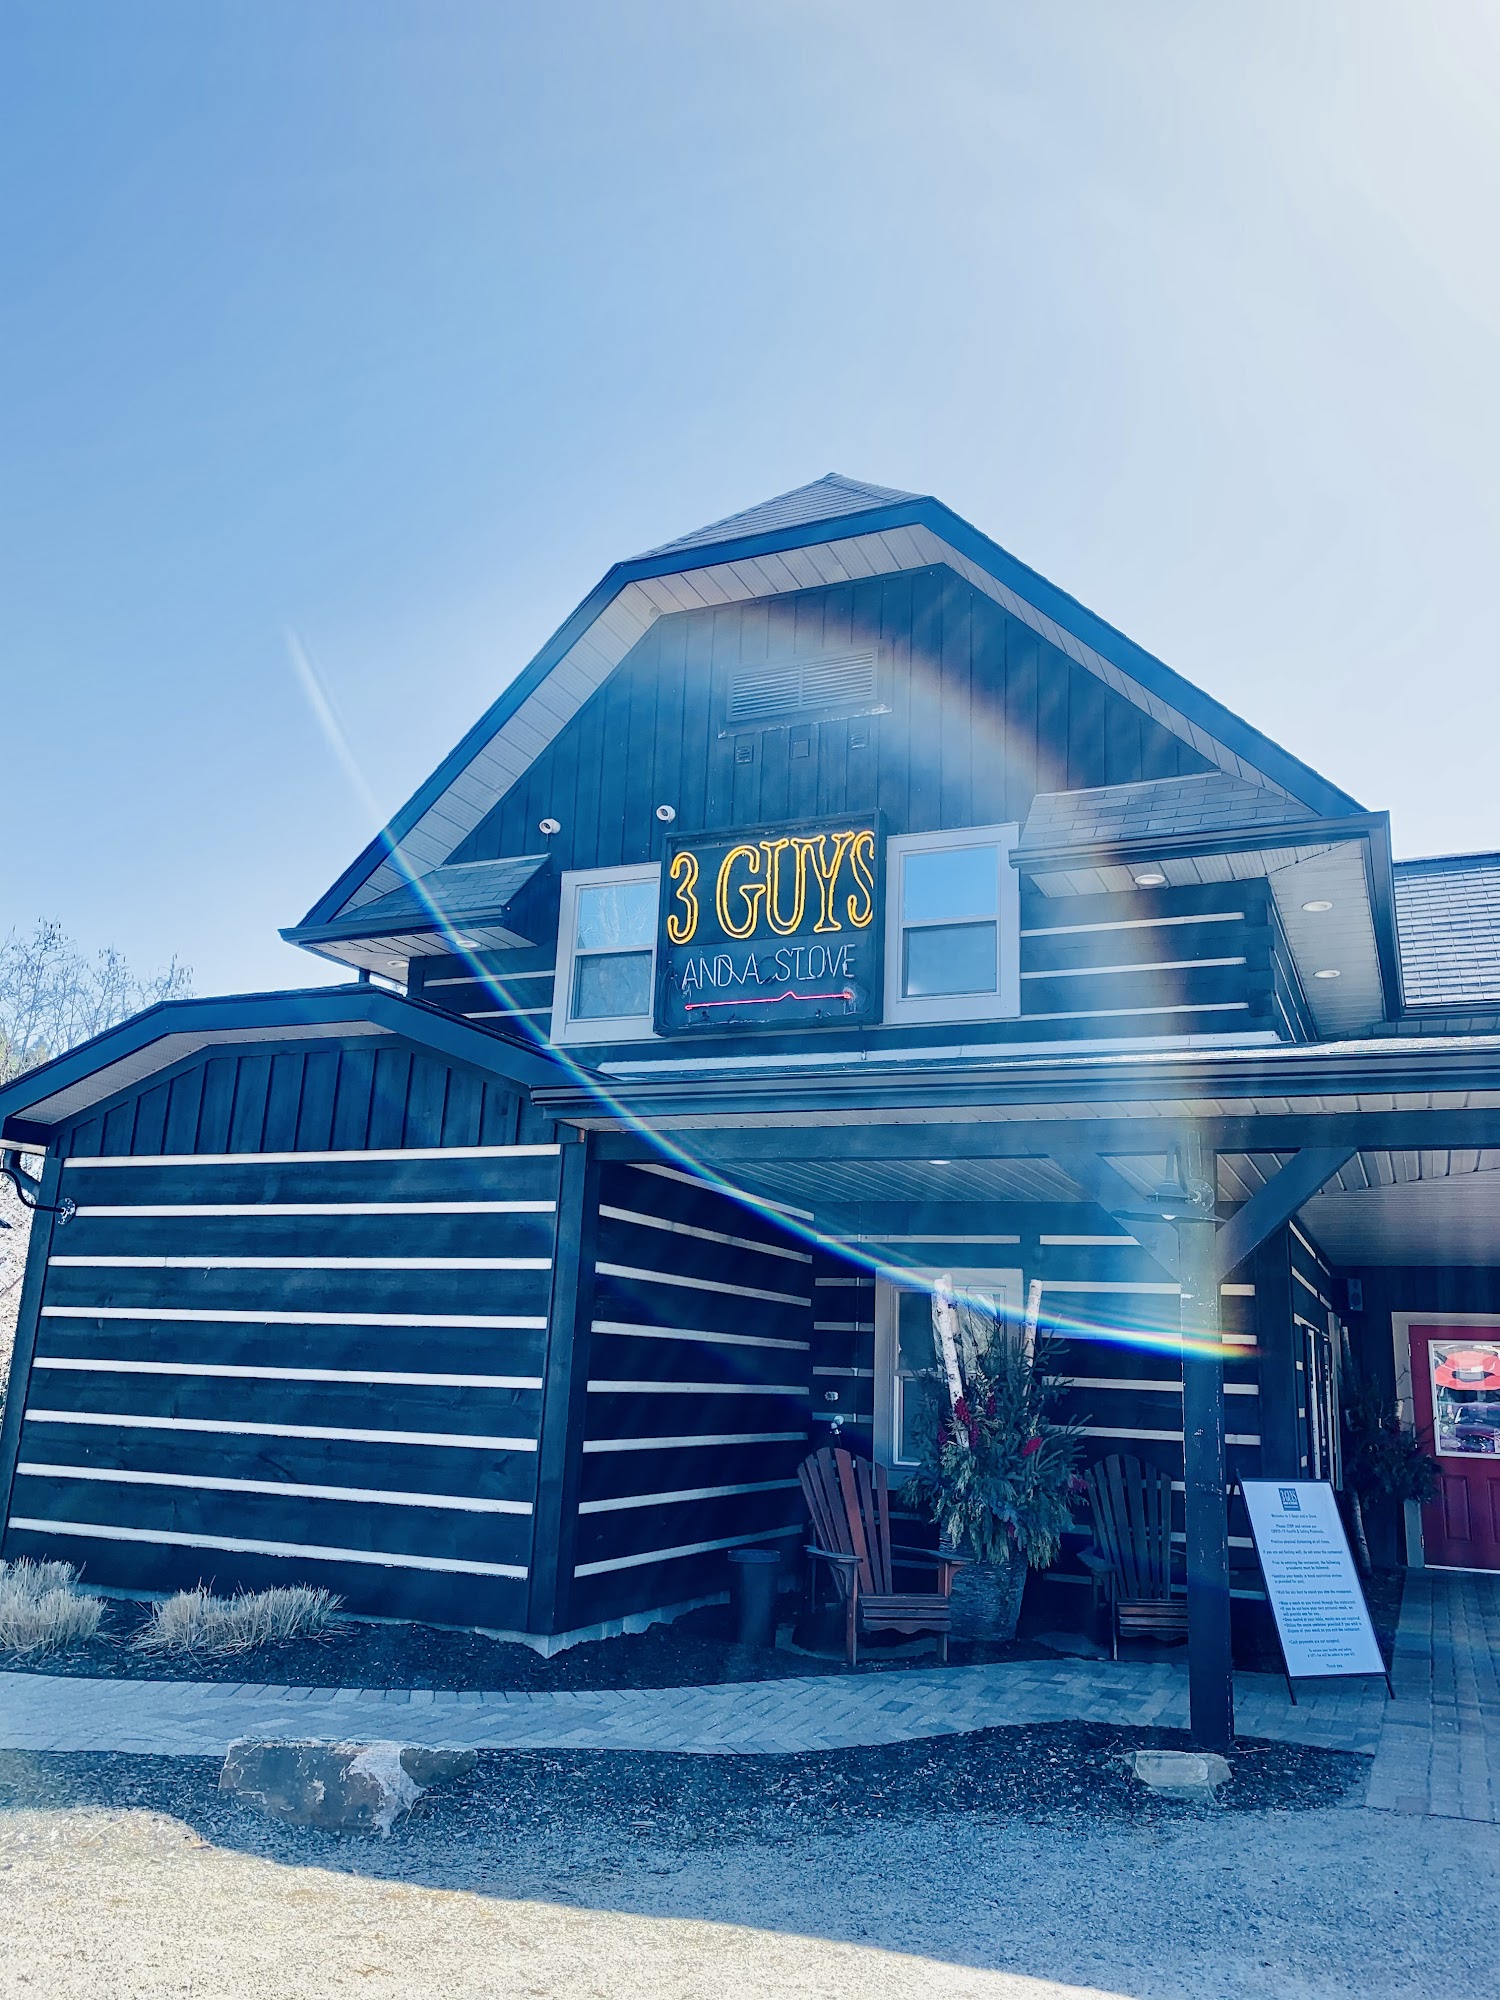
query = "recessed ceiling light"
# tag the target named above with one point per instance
(1328, 972)
(1152, 878)
(940, 1163)
(1320, 904)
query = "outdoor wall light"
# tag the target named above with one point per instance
(1151, 879)
(1320, 904)
(666, 814)
(1328, 972)
(549, 826)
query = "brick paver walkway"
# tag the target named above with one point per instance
(1440, 1745)
(197, 1718)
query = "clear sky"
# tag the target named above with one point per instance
(377, 332)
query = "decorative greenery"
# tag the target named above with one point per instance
(195, 1621)
(42, 1610)
(1383, 1459)
(998, 1471)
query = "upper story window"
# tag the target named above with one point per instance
(952, 926)
(606, 955)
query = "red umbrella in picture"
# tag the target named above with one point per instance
(1469, 1368)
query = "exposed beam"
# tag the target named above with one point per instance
(1122, 1202)
(1012, 1139)
(1275, 1203)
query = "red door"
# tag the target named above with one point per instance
(1455, 1380)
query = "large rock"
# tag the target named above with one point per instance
(342, 1787)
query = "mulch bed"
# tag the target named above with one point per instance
(1046, 1773)
(697, 1651)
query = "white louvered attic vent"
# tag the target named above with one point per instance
(772, 690)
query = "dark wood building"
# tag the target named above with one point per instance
(832, 903)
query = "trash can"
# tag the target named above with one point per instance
(753, 1577)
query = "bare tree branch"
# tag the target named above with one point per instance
(52, 997)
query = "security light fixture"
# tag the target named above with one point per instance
(549, 826)
(666, 814)
(1320, 903)
(1150, 878)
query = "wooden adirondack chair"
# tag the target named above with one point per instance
(1132, 1505)
(848, 1499)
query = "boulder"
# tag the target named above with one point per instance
(341, 1787)
(1182, 1774)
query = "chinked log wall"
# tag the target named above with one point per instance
(297, 1332)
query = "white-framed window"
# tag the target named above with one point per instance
(606, 955)
(904, 1354)
(953, 924)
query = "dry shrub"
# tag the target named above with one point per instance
(195, 1621)
(42, 1610)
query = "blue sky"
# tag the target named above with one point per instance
(382, 330)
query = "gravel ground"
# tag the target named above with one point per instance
(1012, 1866)
(696, 1651)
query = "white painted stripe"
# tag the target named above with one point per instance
(705, 1235)
(1135, 1383)
(96, 1531)
(685, 1549)
(375, 1496)
(1116, 1013)
(696, 1333)
(1308, 1286)
(1135, 1286)
(926, 1236)
(193, 1209)
(843, 1326)
(692, 1443)
(698, 1389)
(497, 1321)
(1088, 1242)
(217, 1263)
(473, 979)
(1236, 1291)
(714, 1187)
(845, 1284)
(850, 1374)
(700, 1284)
(633, 1500)
(508, 1013)
(1164, 1437)
(312, 1159)
(1136, 924)
(110, 1420)
(1311, 1249)
(86, 1365)
(1150, 965)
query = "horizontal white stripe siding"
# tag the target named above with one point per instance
(1136, 924)
(1135, 1385)
(691, 1443)
(705, 1235)
(1116, 1013)
(636, 1332)
(1151, 965)
(511, 1322)
(97, 1532)
(714, 1187)
(684, 1549)
(700, 1284)
(931, 1236)
(375, 1496)
(843, 1326)
(1089, 1242)
(109, 1420)
(190, 1209)
(845, 1284)
(1135, 1285)
(851, 1374)
(218, 1263)
(698, 1389)
(1163, 1437)
(86, 1365)
(630, 1501)
(311, 1159)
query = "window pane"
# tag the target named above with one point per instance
(612, 986)
(616, 916)
(951, 958)
(921, 1402)
(914, 1331)
(950, 882)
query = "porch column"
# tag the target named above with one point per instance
(1210, 1665)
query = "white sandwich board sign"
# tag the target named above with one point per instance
(1321, 1616)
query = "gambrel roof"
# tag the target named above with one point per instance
(834, 530)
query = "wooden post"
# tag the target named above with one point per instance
(565, 1382)
(1210, 1664)
(28, 1318)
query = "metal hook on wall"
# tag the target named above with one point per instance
(64, 1210)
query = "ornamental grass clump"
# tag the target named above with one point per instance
(999, 1471)
(195, 1621)
(42, 1610)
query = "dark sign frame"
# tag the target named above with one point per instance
(846, 980)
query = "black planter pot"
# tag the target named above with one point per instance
(987, 1598)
